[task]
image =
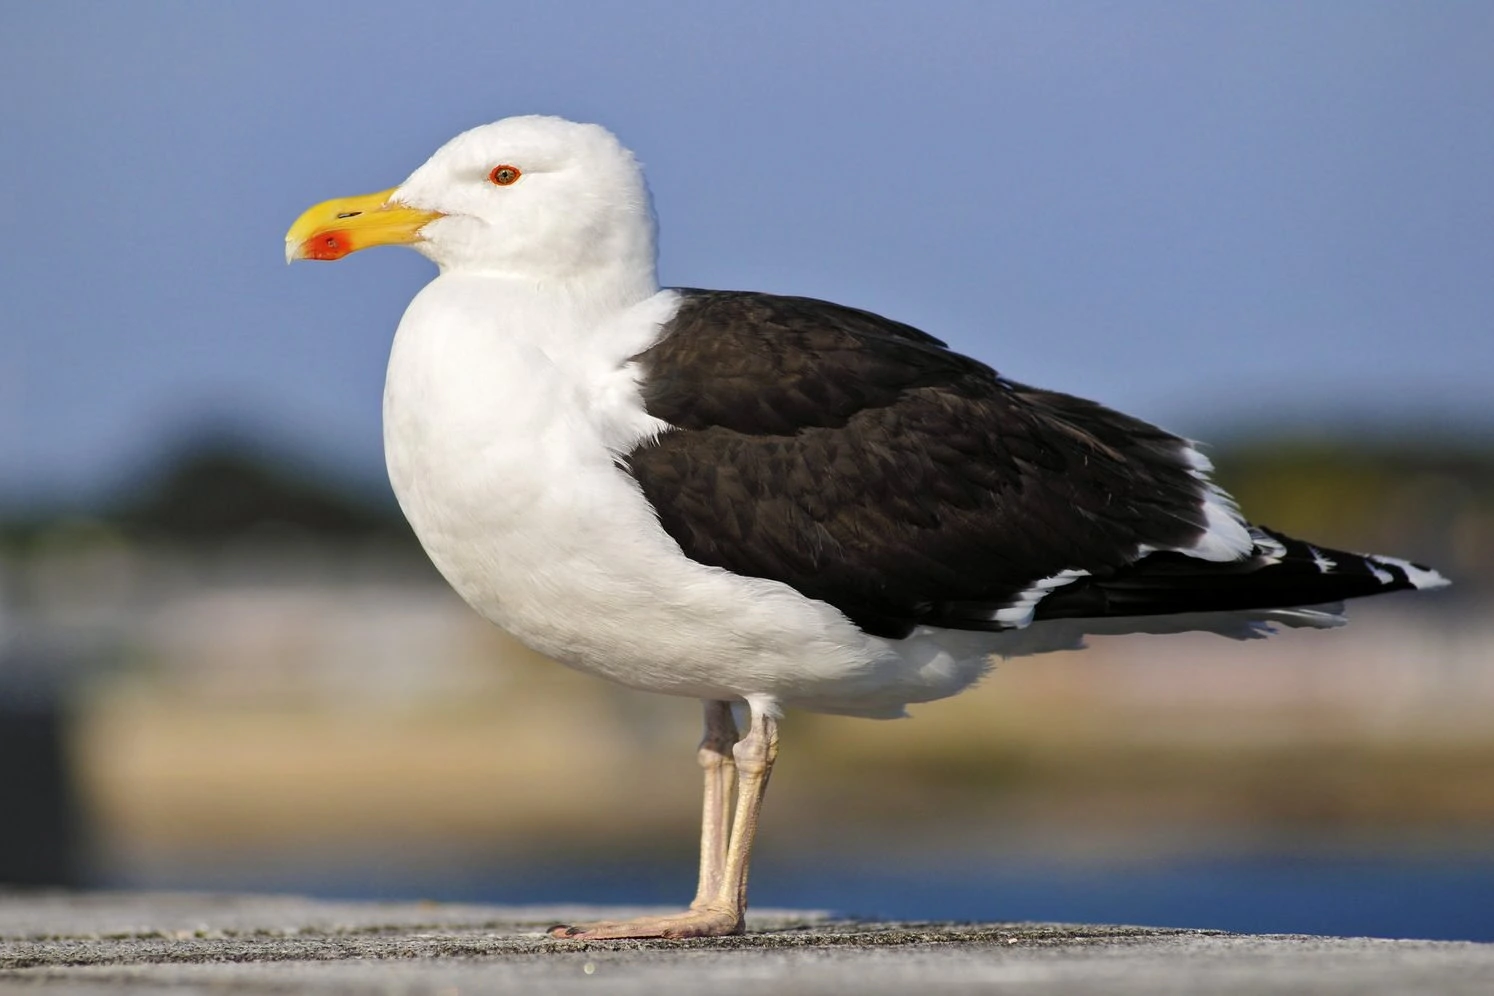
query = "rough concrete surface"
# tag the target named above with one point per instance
(133, 942)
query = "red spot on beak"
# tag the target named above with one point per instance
(327, 245)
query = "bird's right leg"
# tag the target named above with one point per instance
(718, 760)
(720, 767)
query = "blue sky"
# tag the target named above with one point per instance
(1207, 214)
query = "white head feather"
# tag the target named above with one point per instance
(580, 209)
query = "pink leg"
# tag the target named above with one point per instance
(720, 769)
(720, 904)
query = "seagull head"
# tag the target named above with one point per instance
(536, 198)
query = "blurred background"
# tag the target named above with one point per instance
(224, 662)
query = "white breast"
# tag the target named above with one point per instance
(504, 418)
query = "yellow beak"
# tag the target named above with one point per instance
(337, 227)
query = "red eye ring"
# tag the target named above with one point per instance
(504, 174)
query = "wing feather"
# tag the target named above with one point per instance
(865, 464)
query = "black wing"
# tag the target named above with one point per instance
(863, 463)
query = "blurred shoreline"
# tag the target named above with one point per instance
(260, 671)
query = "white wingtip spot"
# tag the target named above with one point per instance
(1323, 563)
(1019, 612)
(1420, 577)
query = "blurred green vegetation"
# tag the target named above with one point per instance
(1430, 501)
(223, 487)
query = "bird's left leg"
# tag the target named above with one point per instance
(720, 905)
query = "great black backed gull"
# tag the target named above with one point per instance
(764, 500)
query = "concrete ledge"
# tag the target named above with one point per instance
(112, 942)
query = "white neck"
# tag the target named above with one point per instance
(590, 296)
(610, 264)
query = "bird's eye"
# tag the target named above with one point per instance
(504, 175)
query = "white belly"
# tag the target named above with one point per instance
(501, 449)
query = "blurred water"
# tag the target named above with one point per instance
(1451, 900)
(1396, 897)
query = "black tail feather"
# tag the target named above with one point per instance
(1281, 573)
